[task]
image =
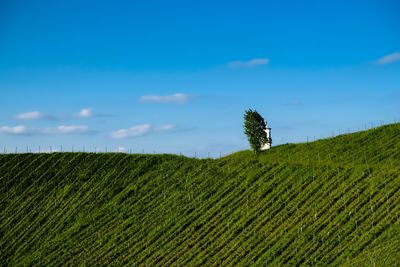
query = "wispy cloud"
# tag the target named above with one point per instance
(85, 113)
(58, 130)
(89, 113)
(389, 58)
(249, 63)
(164, 128)
(16, 130)
(177, 98)
(134, 131)
(140, 130)
(34, 115)
(66, 129)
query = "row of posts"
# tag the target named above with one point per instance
(28, 150)
(195, 154)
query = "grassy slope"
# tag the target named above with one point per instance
(334, 201)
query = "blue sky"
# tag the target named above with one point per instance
(176, 76)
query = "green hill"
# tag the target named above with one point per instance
(330, 202)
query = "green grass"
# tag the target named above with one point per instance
(330, 202)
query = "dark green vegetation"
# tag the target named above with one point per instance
(334, 201)
(254, 128)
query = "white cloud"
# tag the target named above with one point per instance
(249, 63)
(178, 98)
(66, 129)
(85, 113)
(16, 130)
(389, 58)
(32, 115)
(134, 131)
(140, 130)
(62, 129)
(163, 128)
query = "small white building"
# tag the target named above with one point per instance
(268, 144)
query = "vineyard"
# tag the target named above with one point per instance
(330, 202)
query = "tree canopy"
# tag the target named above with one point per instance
(254, 128)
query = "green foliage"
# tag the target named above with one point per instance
(330, 202)
(254, 128)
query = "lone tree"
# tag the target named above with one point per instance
(254, 127)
